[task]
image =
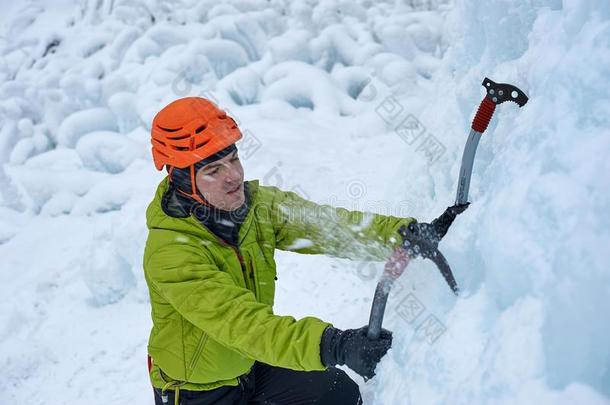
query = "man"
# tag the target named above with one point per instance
(210, 270)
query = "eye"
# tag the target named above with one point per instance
(210, 172)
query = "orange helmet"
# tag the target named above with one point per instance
(188, 130)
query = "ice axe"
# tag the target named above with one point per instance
(497, 93)
(416, 245)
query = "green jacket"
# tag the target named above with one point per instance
(212, 304)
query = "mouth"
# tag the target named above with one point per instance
(235, 190)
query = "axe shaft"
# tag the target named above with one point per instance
(466, 169)
(479, 125)
(378, 308)
(394, 267)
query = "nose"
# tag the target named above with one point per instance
(233, 174)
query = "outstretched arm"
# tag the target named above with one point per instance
(306, 227)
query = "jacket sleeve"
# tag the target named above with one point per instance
(305, 227)
(210, 299)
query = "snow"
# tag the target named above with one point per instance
(364, 105)
(107, 151)
(79, 123)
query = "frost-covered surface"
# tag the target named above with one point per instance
(321, 90)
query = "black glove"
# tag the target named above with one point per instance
(441, 224)
(435, 231)
(354, 349)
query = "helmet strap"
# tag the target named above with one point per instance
(194, 195)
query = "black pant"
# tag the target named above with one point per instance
(270, 385)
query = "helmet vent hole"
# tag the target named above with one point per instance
(168, 129)
(201, 128)
(179, 137)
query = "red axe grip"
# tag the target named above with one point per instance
(484, 113)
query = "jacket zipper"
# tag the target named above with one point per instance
(252, 279)
(241, 263)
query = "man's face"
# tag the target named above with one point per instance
(222, 182)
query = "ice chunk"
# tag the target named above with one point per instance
(292, 45)
(107, 151)
(124, 107)
(243, 85)
(82, 122)
(60, 203)
(224, 56)
(106, 274)
(304, 86)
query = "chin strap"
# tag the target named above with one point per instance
(194, 194)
